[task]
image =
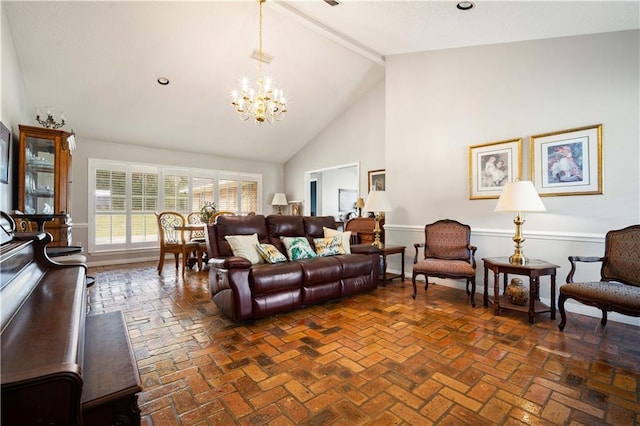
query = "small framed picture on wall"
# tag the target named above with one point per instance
(5, 146)
(377, 180)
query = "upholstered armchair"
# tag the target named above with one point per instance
(618, 289)
(446, 253)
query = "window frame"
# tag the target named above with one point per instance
(162, 171)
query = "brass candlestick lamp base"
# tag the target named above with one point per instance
(376, 232)
(518, 257)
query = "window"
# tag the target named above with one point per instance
(124, 197)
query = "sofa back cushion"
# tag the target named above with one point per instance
(238, 225)
(284, 226)
(313, 225)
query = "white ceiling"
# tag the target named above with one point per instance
(99, 61)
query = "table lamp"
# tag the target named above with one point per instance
(279, 199)
(360, 206)
(519, 197)
(378, 203)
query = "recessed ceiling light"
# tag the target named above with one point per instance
(332, 2)
(465, 5)
(163, 81)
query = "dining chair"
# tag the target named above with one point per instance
(213, 218)
(172, 239)
(447, 253)
(197, 236)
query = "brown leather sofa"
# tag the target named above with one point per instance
(244, 291)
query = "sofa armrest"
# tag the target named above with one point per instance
(364, 249)
(231, 262)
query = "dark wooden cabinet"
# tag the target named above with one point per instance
(44, 177)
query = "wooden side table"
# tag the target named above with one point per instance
(386, 251)
(534, 270)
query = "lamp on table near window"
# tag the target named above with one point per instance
(279, 199)
(519, 197)
(360, 205)
(378, 203)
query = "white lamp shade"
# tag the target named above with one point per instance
(377, 201)
(520, 196)
(279, 199)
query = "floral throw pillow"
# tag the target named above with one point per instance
(270, 253)
(298, 248)
(346, 238)
(329, 246)
(245, 246)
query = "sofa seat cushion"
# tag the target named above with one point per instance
(320, 270)
(269, 278)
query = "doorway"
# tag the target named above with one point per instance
(324, 186)
(313, 197)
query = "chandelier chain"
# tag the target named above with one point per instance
(262, 102)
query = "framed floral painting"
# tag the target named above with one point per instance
(567, 162)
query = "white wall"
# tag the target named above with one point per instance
(13, 110)
(357, 136)
(439, 103)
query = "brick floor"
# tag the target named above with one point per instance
(379, 358)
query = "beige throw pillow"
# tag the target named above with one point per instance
(245, 246)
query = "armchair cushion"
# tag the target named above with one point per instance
(434, 266)
(623, 296)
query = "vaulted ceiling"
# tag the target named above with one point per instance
(99, 61)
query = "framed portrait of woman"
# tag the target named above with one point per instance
(377, 180)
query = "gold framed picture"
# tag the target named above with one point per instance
(377, 180)
(492, 165)
(567, 162)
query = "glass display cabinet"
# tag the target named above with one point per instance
(44, 173)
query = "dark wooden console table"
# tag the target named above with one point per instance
(386, 251)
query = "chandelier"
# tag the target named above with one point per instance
(262, 102)
(50, 121)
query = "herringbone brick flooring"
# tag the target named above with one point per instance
(380, 358)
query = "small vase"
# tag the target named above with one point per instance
(517, 293)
